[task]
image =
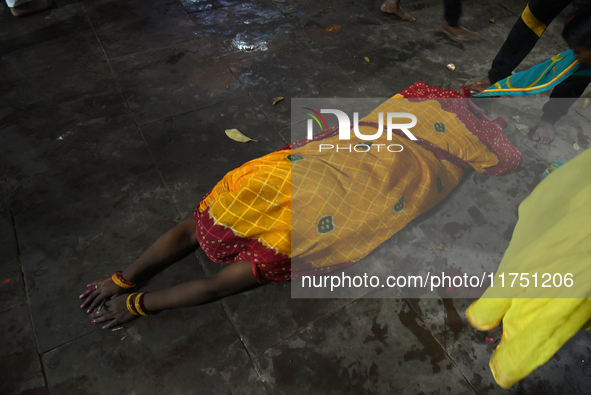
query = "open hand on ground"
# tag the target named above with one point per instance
(98, 291)
(478, 85)
(115, 311)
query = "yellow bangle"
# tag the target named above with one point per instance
(138, 306)
(130, 305)
(120, 281)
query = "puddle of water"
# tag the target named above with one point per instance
(247, 44)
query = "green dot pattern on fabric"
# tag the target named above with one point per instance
(294, 158)
(325, 224)
(439, 184)
(439, 127)
(364, 146)
(399, 207)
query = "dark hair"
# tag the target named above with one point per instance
(577, 30)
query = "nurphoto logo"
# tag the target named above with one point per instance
(345, 129)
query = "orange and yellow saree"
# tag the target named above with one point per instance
(298, 211)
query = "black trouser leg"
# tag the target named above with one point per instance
(563, 96)
(524, 35)
(452, 12)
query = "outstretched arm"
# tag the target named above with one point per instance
(235, 278)
(170, 247)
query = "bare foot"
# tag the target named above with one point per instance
(458, 33)
(31, 7)
(393, 7)
(544, 132)
(478, 86)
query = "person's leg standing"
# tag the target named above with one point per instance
(561, 99)
(524, 35)
(451, 21)
(452, 12)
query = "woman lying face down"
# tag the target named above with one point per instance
(299, 211)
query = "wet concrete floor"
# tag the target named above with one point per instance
(111, 130)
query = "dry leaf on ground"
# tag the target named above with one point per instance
(237, 135)
(523, 129)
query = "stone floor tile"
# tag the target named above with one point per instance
(371, 346)
(383, 76)
(125, 28)
(446, 320)
(20, 368)
(193, 152)
(335, 32)
(174, 352)
(72, 138)
(11, 278)
(174, 80)
(44, 74)
(268, 315)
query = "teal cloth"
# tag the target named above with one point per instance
(538, 78)
(555, 165)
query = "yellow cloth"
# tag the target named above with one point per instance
(254, 201)
(363, 199)
(532, 22)
(345, 204)
(553, 235)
